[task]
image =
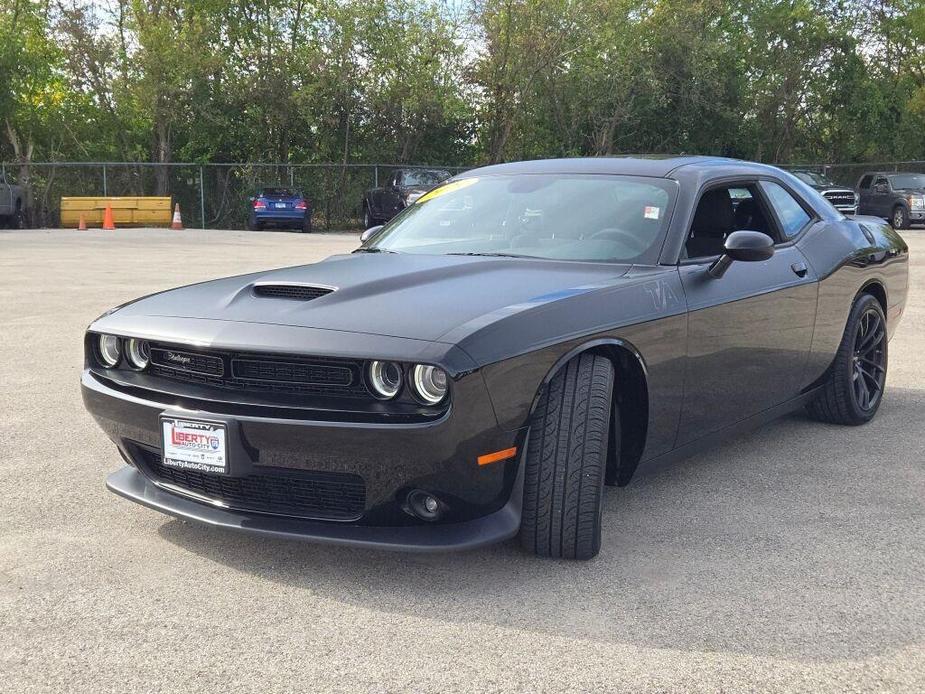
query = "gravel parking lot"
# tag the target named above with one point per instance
(790, 559)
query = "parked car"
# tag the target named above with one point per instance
(843, 199)
(280, 207)
(897, 197)
(403, 188)
(448, 389)
(12, 203)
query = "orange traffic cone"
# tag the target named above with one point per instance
(177, 223)
(82, 225)
(108, 224)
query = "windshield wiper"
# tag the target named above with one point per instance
(495, 255)
(374, 250)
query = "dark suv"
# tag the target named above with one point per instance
(897, 197)
(403, 188)
(843, 199)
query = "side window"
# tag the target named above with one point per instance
(721, 211)
(791, 214)
(865, 181)
(881, 181)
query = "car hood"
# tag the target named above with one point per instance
(421, 297)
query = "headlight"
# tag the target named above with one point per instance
(430, 383)
(916, 202)
(138, 353)
(110, 348)
(385, 379)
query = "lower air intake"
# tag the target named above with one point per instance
(309, 494)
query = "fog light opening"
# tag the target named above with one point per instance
(424, 505)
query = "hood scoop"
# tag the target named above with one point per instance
(297, 292)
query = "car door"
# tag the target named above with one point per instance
(864, 194)
(392, 201)
(880, 197)
(749, 331)
(6, 197)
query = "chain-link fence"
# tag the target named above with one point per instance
(216, 196)
(211, 196)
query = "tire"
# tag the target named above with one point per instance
(17, 220)
(900, 218)
(253, 224)
(307, 225)
(566, 461)
(368, 220)
(841, 399)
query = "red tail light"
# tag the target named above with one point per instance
(301, 205)
(260, 205)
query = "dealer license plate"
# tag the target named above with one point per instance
(193, 445)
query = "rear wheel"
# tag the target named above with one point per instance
(17, 221)
(900, 218)
(368, 220)
(253, 224)
(854, 386)
(307, 225)
(566, 461)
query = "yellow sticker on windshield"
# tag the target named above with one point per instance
(448, 188)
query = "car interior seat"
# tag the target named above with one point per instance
(713, 221)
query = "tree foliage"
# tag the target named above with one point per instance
(446, 81)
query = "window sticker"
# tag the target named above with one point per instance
(448, 188)
(651, 212)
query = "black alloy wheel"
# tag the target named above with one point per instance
(853, 389)
(869, 360)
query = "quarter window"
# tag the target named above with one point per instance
(865, 182)
(791, 214)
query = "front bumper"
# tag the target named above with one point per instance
(495, 527)
(482, 503)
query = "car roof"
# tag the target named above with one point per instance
(631, 165)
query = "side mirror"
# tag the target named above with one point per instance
(369, 233)
(744, 246)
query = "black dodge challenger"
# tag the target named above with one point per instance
(487, 362)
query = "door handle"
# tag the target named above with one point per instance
(799, 269)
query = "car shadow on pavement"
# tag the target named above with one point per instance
(800, 540)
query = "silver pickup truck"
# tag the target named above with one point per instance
(12, 203)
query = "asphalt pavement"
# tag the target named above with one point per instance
(790, 559)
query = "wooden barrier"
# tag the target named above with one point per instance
(142, 211)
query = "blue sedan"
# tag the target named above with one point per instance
(280, 207)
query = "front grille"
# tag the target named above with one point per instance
(241, 371)
(839, 198)
(291, 291)
(309, 494)
(291, 372)
(193, 362)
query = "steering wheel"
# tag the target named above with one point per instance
(619, 235)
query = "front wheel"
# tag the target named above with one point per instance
(854, 385)
(900, 218)
(566, 461)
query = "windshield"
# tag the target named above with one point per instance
(813, 178)
(562, 217)
(908, 181)
(423, 177)
(278, 192)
